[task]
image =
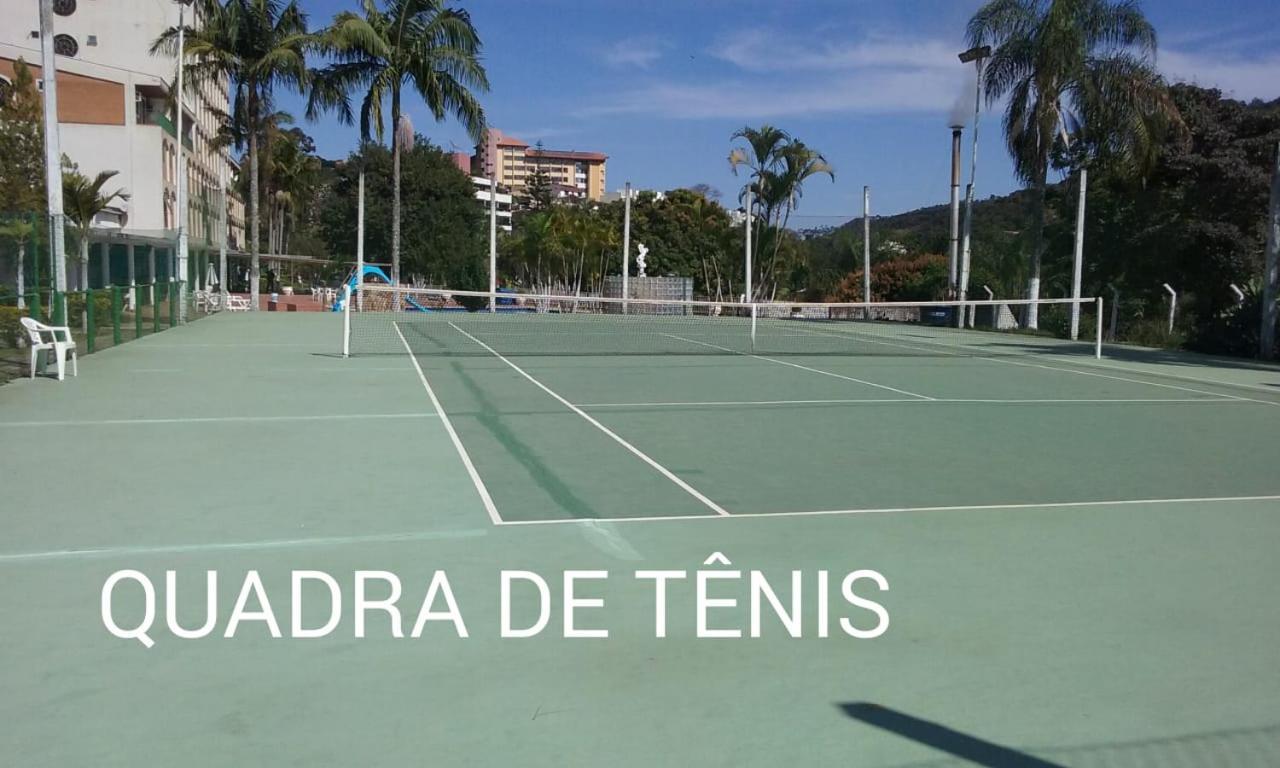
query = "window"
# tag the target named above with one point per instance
(65, 45)
(6, 91)
(64, 7)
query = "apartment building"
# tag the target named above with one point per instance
(112, 117)
(571, 174)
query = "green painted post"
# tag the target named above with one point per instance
(117, 335)
(59, 301)
(156, 289)
(137, 311)
(90, 326)
(175, 290)
(36, 310)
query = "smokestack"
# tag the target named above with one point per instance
(954, 252)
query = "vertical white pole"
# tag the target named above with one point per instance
(360, 233)
(753, 327)
(966, 251)
(1271, 273)
(346, 320)
(181, 267)
(493, 245)
(151, 264)
(133, 278)
(52, 157)
(224, 228)
(748, 265)
(1078, 264)
(866, 245)
(1097, 341)
(626, 245)
(1173, 305)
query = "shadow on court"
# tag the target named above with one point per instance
(930, 734)
(1240, 747)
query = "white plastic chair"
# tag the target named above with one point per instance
(60, 347)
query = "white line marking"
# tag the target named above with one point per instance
(1165, 375)
(689, 489)
(884, 510)
(717, 403)
(453, 435)
(238, 546)
(801, 367)
(216, 419)
(1050, 368)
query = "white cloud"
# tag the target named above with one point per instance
(785, 76)
(642, 52)
(1237, 76)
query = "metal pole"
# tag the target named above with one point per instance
(493, 245)
(626, 244)
(748, 295)
(181, 266)
(360, 233)
(133, 278)
(966, 254)
(953, 252)
(1272, 274)
(1097, 341)
(224, 229)
(1173, 306)
(1078, 264)
(53, 165)
(866, 245)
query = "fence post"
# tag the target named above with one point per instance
(90, 324)
(175, 296)
(59, 308)
(136, 292)
(117, 336)
(156, 290)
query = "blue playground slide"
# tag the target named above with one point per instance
(356, 280)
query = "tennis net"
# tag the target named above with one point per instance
(425, 321)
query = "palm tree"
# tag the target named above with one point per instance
(83, 199)
(1081, 68)
(419, 43)
(779, 166)
(256, 45)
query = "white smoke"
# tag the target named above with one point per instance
(962, 109)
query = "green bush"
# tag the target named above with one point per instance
(101, 307)
(10, 328)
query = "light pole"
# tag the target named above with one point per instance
(181, 266)
(978, 56)
(53, 167)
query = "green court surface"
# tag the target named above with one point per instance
(1080, 553)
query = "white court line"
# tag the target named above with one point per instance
(215, 419)
(935, 350)
(238, 546)
(453, 435)
(801, 367)
(689, 489)
(886, 510)
(895, 401)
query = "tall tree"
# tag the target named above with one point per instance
(84, 199)
(256, 45)
(1063, 64)
(779, 166)
(433, 48)
(21, 165)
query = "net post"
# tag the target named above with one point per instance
(346, 321)
(753, 326)
(1097, 343)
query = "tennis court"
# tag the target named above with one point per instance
(1080, 552)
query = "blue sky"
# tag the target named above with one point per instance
(659, 86)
